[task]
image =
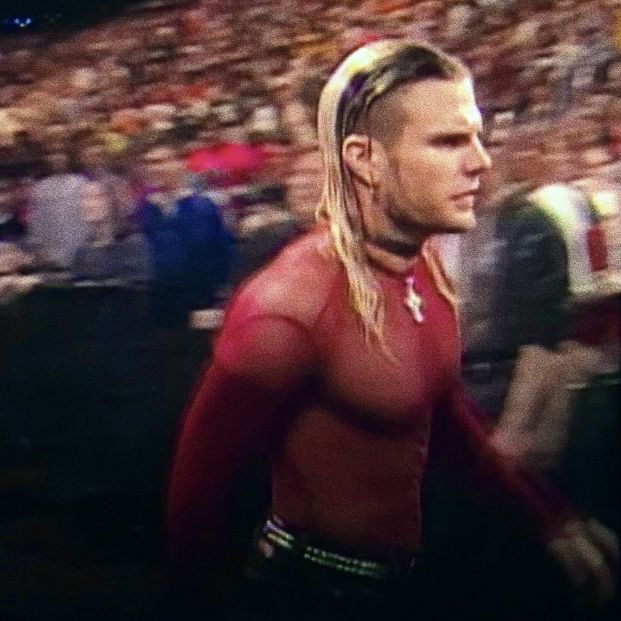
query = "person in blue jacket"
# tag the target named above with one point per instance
(191, 250)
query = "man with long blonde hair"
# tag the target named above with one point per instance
(335, 360)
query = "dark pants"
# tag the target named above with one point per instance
(286, 588)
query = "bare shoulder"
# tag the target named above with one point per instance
(296, 284)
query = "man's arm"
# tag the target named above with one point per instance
(460, 439)
(588, 551)
(238, 409)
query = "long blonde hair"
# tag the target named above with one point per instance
(367, 74)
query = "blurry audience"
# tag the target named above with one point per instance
(232, 89)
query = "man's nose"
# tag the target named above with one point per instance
(479, 160)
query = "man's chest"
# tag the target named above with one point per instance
(419, 362)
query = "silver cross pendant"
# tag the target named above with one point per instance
(413, 300)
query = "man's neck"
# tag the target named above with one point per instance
(386, 245)
(393, 258)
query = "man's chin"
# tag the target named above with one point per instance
(462, 225)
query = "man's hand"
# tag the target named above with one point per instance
(589, 553)
(513, 445)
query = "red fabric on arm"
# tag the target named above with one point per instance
(238, 408)
(463, 440)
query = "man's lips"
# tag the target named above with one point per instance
(474, 192)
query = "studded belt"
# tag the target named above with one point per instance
(274, 536)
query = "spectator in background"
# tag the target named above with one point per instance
(265, 227)
(273, 219)
(110, 252)
(243, 161)
(190, 248)
(458, 18)
(57, 227)
(299, 110)
(96, 164)
(540, 226)
(304, 185)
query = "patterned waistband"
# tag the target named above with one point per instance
(275, 536)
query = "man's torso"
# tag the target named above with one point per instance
(349, 465)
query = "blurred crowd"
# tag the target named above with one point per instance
(126, 145)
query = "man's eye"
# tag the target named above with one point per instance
(456, 140)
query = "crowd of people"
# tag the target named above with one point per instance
(230, 90)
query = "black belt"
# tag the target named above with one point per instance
(274, 536)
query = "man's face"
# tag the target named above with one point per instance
(164, 170)
(433, 166)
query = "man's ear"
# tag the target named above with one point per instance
(357, 156)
